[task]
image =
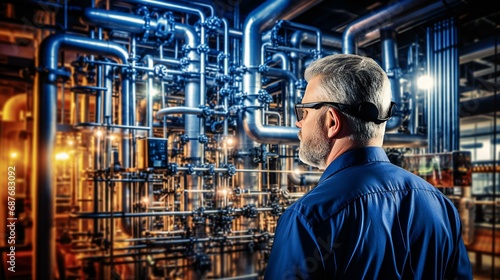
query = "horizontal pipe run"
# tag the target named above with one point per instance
(91, 124)
(179, 110)
(105, 215)
(399, 140)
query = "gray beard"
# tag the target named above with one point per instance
(314, 149)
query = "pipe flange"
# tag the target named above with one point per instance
(190, 169)
(186, 48)
(231, 169)
(160, 71)
(263, 68)
(165, 27)
(203, 139)
(211, 169)
(213, 23)
(206, 112)
(184, 138)
(264, 97)
(202, 48)
(277, 209)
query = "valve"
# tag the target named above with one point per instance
(184, 138)
(213, 23)
(250, 211)
(165, 27)
(231, 169)
(160, 71)
(211, 169)
(277, 209)
(190, 168)
(237, 191)
(264, 97)
(203, 48)
(263, 68)
(173, 168)
(203, 139)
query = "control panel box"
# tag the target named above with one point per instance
(152, 153)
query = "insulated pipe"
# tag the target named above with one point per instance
(13, 107)
(193, 96)
(44, 132)
(402, 23)
(117, 20)
(373, 21)
(257, 21)
(179, 110)
(391, 67)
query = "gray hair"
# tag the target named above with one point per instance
(351, 79)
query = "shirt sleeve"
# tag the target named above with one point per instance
(461, 268)
(296, 253)
(464, 270)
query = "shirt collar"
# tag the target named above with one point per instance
(354, 157)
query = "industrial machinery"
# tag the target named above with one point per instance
(158, 140)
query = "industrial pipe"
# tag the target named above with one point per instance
(44, 132)
(261, 18)
(390, 65)
(373, 21)
(13, 107)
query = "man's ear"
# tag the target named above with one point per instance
(333, 123)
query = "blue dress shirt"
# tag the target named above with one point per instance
(369, 219)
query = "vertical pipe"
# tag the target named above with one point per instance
(150, 90)
(456, 75)
(44, 131)
(429, 92)
(391, 65)
(256, 22)
(132, 100)
(193, 151)
(226, 74)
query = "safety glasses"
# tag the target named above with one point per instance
(365, 110)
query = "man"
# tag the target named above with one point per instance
(366, 218)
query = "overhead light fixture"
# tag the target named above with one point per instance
(425, 82)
